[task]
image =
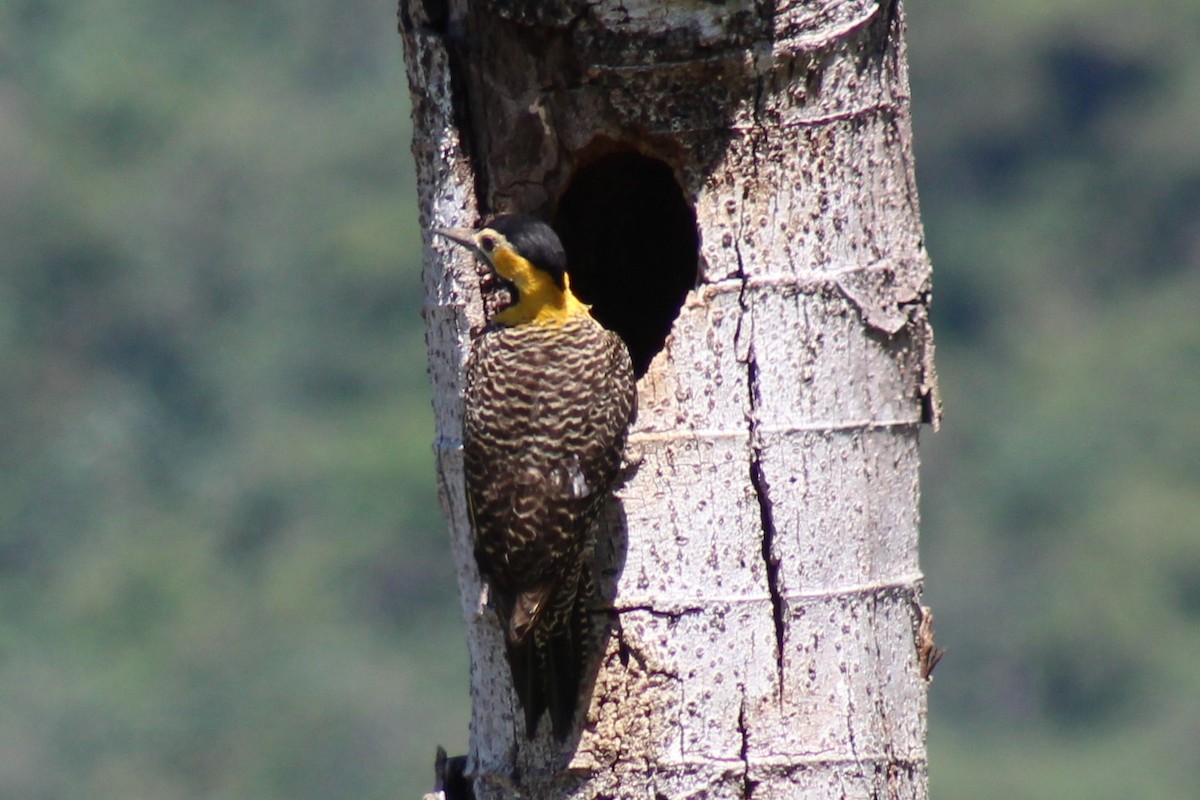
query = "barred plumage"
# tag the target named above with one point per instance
(549, 397)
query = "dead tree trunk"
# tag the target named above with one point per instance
(734, 186)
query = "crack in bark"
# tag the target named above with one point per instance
(673, 614)
(438, 19)
(748, 784)
(758, 479)
(767, 515)
(762, 493)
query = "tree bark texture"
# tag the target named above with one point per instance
(760, 564)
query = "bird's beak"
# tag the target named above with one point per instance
(463, 236)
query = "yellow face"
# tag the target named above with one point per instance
(508, 264)
(540, 301)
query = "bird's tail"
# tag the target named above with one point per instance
(548, 664)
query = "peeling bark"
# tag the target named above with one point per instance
(760, 565)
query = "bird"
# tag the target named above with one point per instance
(549, 397)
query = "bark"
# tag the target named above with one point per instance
(761, 561)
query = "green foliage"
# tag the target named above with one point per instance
(222, 569)
(1060, 182)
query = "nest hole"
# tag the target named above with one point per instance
(632, 247)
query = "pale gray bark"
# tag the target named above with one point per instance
(765, 551)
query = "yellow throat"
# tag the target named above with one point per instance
(540, 301)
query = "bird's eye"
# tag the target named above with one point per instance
(487, 243)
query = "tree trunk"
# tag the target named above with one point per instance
(733, 183)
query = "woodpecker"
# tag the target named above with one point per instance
(549, 398)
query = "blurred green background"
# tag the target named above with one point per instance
(223, 573)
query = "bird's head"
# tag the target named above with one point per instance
(526, 254)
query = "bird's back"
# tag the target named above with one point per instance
(546, 414)
(544, 430)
